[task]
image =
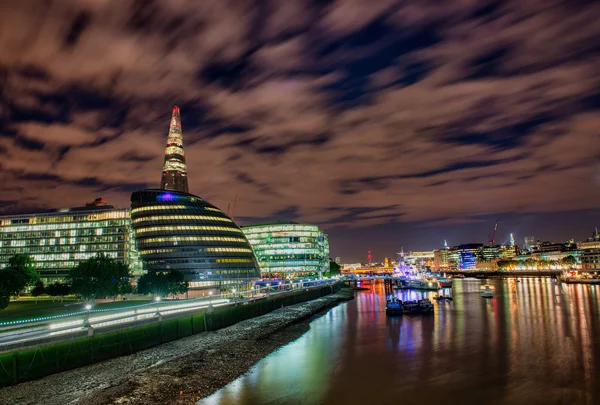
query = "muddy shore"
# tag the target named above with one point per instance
(179, 372)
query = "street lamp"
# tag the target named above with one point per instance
(210, 298)
(157, 300)
(86, 324)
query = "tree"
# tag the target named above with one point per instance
(19, 274)
(38, 290)
(99, 275)
(334, 269)
(569, 261)
(58, 290)
(162, 284)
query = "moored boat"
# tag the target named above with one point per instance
(393, 307)
(425, 306)
(445, 282)
(487, 291)
(423, 284)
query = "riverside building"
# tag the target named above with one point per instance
(289, 249)
(180, 231)
(58, 240)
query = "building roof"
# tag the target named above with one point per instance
(273, 223)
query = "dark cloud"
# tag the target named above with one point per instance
(380, 115)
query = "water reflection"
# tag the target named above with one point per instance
(535, 342)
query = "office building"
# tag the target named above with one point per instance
(289, 249)
(59, 240)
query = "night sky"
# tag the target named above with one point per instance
(389, 123)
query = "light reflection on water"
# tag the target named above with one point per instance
(536, 342)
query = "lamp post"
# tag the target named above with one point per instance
(86, 324)
(157, 300)
(210, 298)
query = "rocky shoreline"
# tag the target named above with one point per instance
(179, 372)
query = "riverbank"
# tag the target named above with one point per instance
(179, 372)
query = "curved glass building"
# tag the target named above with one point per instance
(180, 231)
(289, 249)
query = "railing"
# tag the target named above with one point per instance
(28, 333)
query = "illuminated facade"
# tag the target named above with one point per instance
(180, 231)
(289, 249)
(58, 240)
(174, 174)
(441, 259)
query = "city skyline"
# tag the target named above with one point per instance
(388, 126)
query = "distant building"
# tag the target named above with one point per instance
(590, 260)
(441, 259)
(529, 242)
(338, 260)
(174, 174)
(464, 257)
(59, 240)
(351, 266)
(591, 243)
(387, 262)
(289, 249)
(419, 260)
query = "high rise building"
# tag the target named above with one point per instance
(289, 249)
(174, 173)
(529, 242)
(58, 240)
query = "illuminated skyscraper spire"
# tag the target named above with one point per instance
(174, 174)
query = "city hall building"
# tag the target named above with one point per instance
(180, 231)
(289, 249)
(59, 240)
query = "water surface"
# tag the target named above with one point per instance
(536, 342)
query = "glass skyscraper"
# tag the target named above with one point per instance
(58, 240)
(289, 249)
(174, 174)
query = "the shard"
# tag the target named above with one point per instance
(174, 174)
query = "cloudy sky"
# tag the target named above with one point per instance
(389, 123)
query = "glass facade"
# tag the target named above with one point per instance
(174, 174)
(289, 249)
(57, 241)
(180, 231)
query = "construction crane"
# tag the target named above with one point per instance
(493, 234)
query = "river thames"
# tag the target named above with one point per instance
(535, 342)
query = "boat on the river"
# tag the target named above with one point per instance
(394, 307)
(423, 284)
(441, 298)
(487, 291)
(445, 282)
(425, 306)
(410, 307)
